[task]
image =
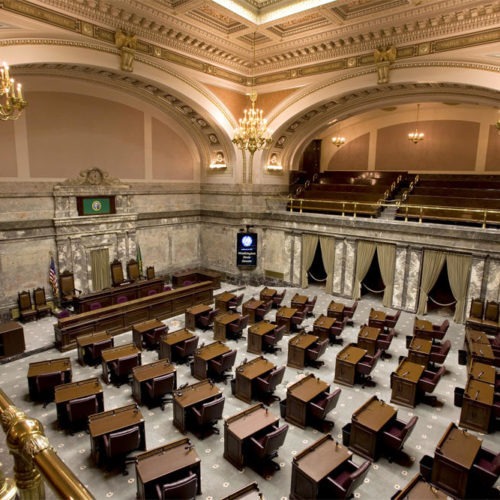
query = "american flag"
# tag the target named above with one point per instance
(53, 277)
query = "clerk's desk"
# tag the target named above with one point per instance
(239, 428)
(246, 373)
(255, 334)
(145, 373)
(102, 424)
(419, 351)
(477, 406)
(168, 463)
(249, 308)
(206, 353)
(455, 453)
(419, 489)
(298, 397)
(87, 340)
(284, 316)
(168, 341)
(345, 366)
(297, 347)
(141, 329)
(116, 353)
(45, 367)
(366, 427)
(192, 313)
(221, 322)
(311, 467)
(65, 393)
(367, 338)
(187, 397)
(404, 383)
(222, 300)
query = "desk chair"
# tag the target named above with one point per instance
(392, 319)
(93, 353)
(184, 489)
(150, 273)
(121, 369)
(79, 410)
(491, 315)
(384, 342)
(184, 352)
(152, 339)
(235, 329)
(263, 448)
(41, 306)
(118, 445)
(159, 390)
(270, 341)
(427, 384)
(318, 409)
(45, 384)
(133, 271)
(476, 313)
(344, 480)
(278, 299)
(266, 385)
(117, 277)
(336, 331)
(395, 434)
(309, 306)
(296, 321)
(365, 367)
(439, 352)
(26, 310)
(220, 368)
(206, 320)
(206, 416)
(314, 352)
(233, 304)
(484, 473)
(67, 288)
(439, 331)
(262, 310)
(349, 312)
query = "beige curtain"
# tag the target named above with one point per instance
(328, 253)
(364, 257)
(431, 267)
(99, 260)
(387, 260)
(309, 244)
(458, 275)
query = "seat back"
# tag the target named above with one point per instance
(317, 349)
(133, 271)
(116, 272)
(276, 377)
(357, 477)
(80, 409)
(274, 440)
(45, 382)
(120, 443)
(211, 411)
(190, 346)
(124, 365)
(161, 385)
(185, 488)
(97, 348)
(278, 298)
(228, 359)
(476, 309)
(150, 272)
(24, 300)
(491, 311)
(234, 303)
(39, 297)
(66, 283)
(444, 326)
(408, 429)
(350, 310)
(279, 331)
(327, 404)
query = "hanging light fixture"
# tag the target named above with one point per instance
(11, 96)
(252, 133)
(338, 141)
(416, 136)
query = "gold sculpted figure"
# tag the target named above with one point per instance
(383, 59)
(127, 44)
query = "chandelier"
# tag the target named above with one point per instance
(416, 136)
(252, 133)
(338, 141)
(11, 102)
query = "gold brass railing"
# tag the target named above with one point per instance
(35, 461)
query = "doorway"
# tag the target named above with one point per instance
(440, 298)
(316, 273)
(373, 285)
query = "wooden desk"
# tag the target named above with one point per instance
(299, 301)
(298, 397)
(189, 396)
(192, 314)
(171, 339)
(88, 340)
(249, 308)
(222, 300)
(421, 325)
(239, 428)
(196, 276)
(376, 319)
(284, 317)
(322, 327)
(477, 406)
(335, 310)
(419, 489)
(105, 423)
(140, 329)
(475, 336)
(482, 372)
(204, 354)
(115, 353)
(404, 382)
(366, 426)
(44, 367)
(297, 349)
(249, 492)
(65, 393)
(145, 373)
(311, 467)
(367, 339)
(453, 459)
(481, 352)
(267, 294)
(167, 463)
(419, 351)
(11, 339)
(345, 366)
(221, 322)
(245, 375)
(255, 334)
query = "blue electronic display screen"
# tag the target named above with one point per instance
(246, 249)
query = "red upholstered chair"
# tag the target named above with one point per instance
(439, 352)
(395, 434)
(45, 386)
(121, 369)
(185, 488)
(262, 310)
(220, 368)
(263, 448)
(159, 390)
(314, 352)
(184, 351)
(93, 354)
(439, 331)
(206, 416)
(318, 409)
(365, 367)
(427, 383)
(384, 342)
(485, 472)
(206, 320)
(271, 340)
(278, 299)
(344, 480)
(152, 339)
(349, 311)
(235, 329)
(297, 320)
(79, 410)
(266, 385)
(392, 319)
(336, 331)
(309, 306)
(118, 445)
(233, 304)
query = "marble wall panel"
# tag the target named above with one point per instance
(275, 257)
(338, 272)
(185, 246)
(493, 280)
(147, 203)
(13, 208)
(399, 277)
(349, 267)
(218, 244)
(413, 265)
(296, 268)
(476, 280)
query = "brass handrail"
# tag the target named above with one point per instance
(34, 458)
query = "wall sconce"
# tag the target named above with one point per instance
(338, 141)
(219, 163)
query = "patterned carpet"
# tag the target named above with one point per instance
(219, 477)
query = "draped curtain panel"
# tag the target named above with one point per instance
(364, 257)
(387, 260)
(328, 253)
(99, 260)
(432, 265)
(459, 267)
(309, 244)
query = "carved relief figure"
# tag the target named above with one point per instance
(383, 59)
(127, 44)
